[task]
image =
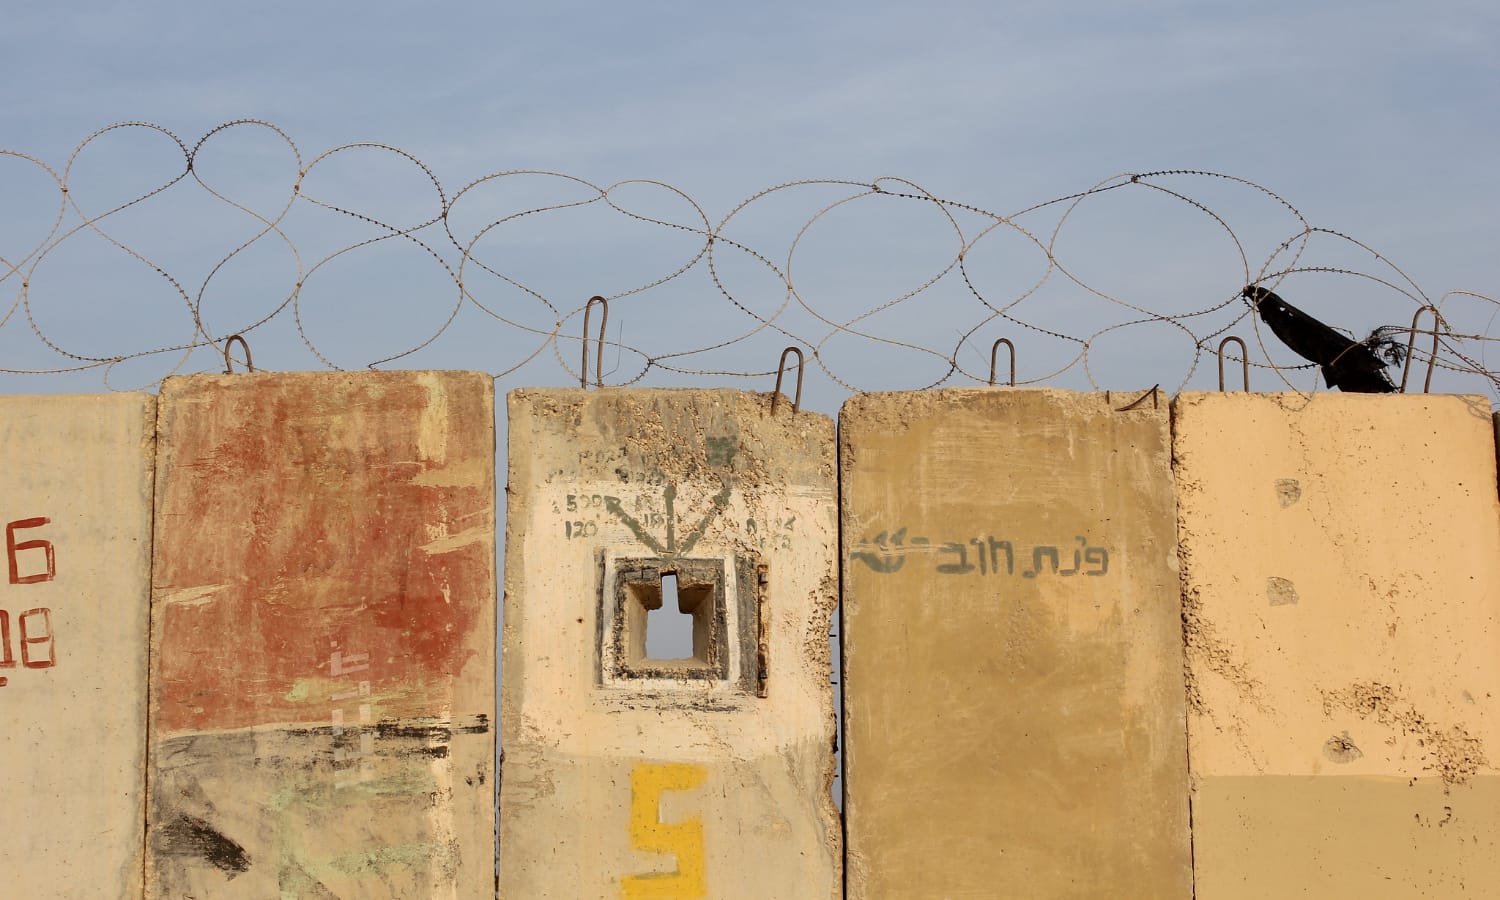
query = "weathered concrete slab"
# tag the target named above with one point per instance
(1013, 694)
(701, 774)
(323, 637)
(73, 627)
(1342, 609)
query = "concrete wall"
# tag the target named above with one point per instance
(704, 775)
(73, 614)
(323, 654)
(1342, 608)
(322, 700)
(1013, 699)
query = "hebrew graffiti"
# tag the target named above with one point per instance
(887, 553)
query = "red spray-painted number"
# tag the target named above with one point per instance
(11, 547)
(38, 651)
(34, 626)
(37, 648)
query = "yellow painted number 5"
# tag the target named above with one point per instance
(684, 840)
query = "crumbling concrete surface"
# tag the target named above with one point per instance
(701, 771)
(1013, 700)
(1341, 581)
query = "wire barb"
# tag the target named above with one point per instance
(780, 371)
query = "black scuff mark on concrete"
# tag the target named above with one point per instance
(480, 725)
(389, 730)
(193, 837)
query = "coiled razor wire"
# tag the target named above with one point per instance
(470, 261)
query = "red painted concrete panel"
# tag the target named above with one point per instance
(323, 636)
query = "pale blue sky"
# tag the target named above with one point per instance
(1378, 120)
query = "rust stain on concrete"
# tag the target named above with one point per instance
(323, 665)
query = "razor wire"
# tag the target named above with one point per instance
(784, 302)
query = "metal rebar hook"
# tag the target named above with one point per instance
(583, 369)
(1411, 340)
(1244, 361)
(1155, 389)
(229, 361)
(780, 371)
(1012, 348)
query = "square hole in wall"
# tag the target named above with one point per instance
(671, 620)
(680, 620)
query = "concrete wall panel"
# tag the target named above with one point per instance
(1013, 669)
(1341, 561)
(73, 614)
(323, 637)
(705, 773)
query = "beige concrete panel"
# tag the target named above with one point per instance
(1341, 573)
(323, 637)
(1335, 836)
(705, 776)
(1013, 693)
(73, 637)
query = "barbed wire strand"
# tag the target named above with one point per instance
(808, 292)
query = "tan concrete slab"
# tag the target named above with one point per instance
(73, 628)
(633, 774)
(1342, 606)
(1013, 693)
(323, 637)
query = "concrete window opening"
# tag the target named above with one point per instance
(670, 620)
(666, 621)
(678, 626)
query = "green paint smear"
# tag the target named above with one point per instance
(406, 856)
(408, 781)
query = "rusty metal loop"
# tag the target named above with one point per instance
(996, 346)
(780, 371)
(583, 369)
(229, 361)
(1411, 340)
(1244, 361)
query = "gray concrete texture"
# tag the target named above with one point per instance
(705, 773)
(1013, 696)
